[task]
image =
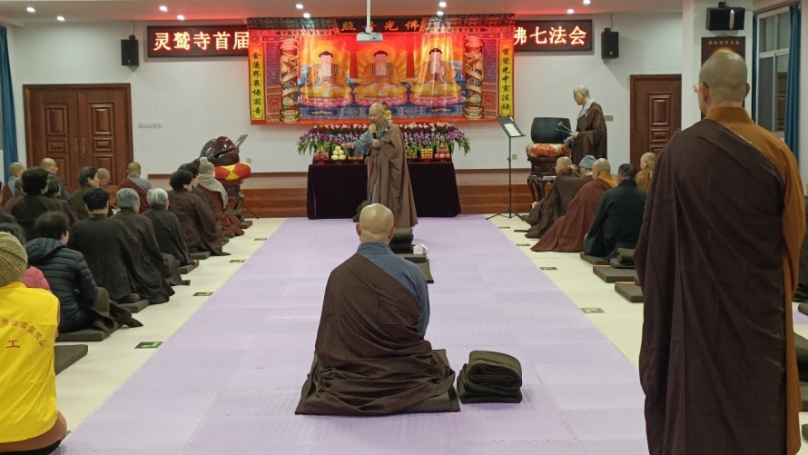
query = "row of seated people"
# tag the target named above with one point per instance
(589, 211)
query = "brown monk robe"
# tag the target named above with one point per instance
(167, 227)
(558, 198)
(589, 137)
(197, 221)
(53, 192)
(718, 261)
(370, 357)
(88, 178)
(141, 193)
(104, 245)
(162, 269)
(567, 233)
(216, 195)
(388, 174)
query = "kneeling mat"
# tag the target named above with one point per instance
(67, 355)
(135, 307)
(594, 260)
(612, 275)
(83, 335)
(424, 266)
(629, 291)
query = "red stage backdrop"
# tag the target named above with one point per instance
(453, 68)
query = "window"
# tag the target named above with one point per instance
(774, 36)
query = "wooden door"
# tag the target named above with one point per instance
(78, 126)
(656, 112)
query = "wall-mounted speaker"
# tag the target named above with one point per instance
(130, 52)
(609, 44)
(723, 19)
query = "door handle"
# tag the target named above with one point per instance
(83, 146)
(74, 146)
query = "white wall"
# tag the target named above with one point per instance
(195, 100)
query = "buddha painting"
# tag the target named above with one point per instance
(380, 83)
(326, 86)
(435, 85)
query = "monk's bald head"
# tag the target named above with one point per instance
(648, 160)
(724, 75)
(376, 224)
(601, 166)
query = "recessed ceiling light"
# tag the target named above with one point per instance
(299, 6)
(164, 8)
(60, 18)
(180, 17)
(586, 2)
(307, 15)
(570, 11)
(440, 13)
(30, 9)
(442, 4)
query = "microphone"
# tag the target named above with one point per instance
(373, 130)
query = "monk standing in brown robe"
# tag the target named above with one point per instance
(371, 357)
(388, 174)
(567, 233)
(589, 137)
(647, 163)
(718, 260)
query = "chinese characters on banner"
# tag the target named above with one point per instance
(256, 83)
(553, 36)
(710, 46)
(23, 327)
(426, 69)
(506, 79)
(199, 41)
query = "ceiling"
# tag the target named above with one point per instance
(14, 11)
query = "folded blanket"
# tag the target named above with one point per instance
(490, 377)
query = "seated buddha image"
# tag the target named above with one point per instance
(380, 83)
(326, 86)
(435, 85)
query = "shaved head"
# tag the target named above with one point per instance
(722, 81)
(376, 224)
(47, 164)
(133, 168)
(601, 166)
(648, 160)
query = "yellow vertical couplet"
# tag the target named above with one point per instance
(506, 77)
(257, 98)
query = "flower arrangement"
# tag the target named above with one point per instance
(416, 136)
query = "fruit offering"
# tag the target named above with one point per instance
(320, 157)
(443, 153)
(426, 154)
(338, 154)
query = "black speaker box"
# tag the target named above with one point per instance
(130, 52)
(609, 44)
(723, 19)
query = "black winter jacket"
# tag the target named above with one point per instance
(70, 280)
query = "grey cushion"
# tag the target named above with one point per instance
(612, 275)
(424, 266)
(135, 307)
(66, 355)
(200, 255)
(594, 260)
(416, 258)
(82, 335)
(630, 291)
(402, 235)
(186, 269)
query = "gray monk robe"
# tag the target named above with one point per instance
(370, 358)
(168, 234)
(197, 221)
(140, 231)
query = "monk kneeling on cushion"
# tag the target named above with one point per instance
(370, 355)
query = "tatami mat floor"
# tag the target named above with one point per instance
(86, 385)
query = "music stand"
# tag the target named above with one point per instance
(509, 126)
